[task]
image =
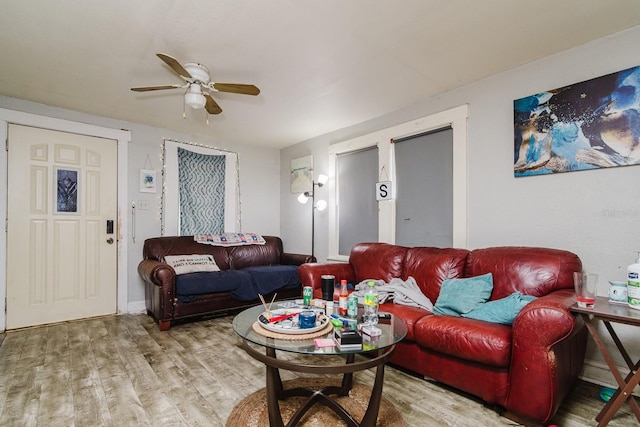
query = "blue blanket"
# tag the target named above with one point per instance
(244, 284)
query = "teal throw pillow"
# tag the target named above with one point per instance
(502, 311)
(460, 296)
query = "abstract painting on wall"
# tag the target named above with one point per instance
(588, 125)
(67, 191)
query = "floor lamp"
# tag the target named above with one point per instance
(321, 205)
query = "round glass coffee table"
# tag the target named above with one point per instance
(380, 349)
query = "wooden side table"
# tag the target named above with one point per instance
(614, 313)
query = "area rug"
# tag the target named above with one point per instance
(252, 410)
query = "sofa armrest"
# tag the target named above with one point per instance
(296, 259)
(548, 351)
(157, 273)
(311, 274)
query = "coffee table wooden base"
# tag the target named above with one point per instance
(275, 390)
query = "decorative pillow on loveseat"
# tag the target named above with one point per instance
(183, 264)
(502, 311)
(460, 296)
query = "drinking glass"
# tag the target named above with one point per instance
(585, 285)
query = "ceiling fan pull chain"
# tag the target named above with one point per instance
(184, 107)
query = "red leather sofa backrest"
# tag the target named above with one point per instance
(532, 271)
(430, 266)
(377, 261)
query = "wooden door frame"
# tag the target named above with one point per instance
(123, 138)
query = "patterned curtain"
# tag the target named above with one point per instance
(201, 186)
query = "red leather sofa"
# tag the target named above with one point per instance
(166, 301)
(525, 369)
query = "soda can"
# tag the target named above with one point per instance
(352, 306)
(307, 292)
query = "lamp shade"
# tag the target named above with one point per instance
(322, 179)
(195, 100)
(302, 198)
(321, 205)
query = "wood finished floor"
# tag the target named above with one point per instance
(122, 371)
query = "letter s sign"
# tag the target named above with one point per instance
(383, 190)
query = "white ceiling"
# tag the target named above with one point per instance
(321, 65)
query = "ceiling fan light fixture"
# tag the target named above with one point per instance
(194, 97)
(196, 101)
(196, 80)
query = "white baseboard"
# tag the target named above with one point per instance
(136, 307)
(599, 373)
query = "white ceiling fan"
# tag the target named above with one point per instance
(198, 85)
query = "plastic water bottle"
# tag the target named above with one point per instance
(370, 316)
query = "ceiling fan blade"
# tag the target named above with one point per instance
(150, 88)
(175, 65)
(211, 106)
(236, 88)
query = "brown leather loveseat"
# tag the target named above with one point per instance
(525, 369)
(244, 272)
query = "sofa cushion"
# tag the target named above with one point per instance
(183, 264)
(190, 286)
(532, 271)
(468, 339)
(270, 278)
(502, 310)
(252, 255)
(431, 266)
(460, 296)
(244, 285)
(377, 261)
(409, 314)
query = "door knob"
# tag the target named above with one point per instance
(110, 240)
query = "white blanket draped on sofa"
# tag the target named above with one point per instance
(229, 239)
(405, 292)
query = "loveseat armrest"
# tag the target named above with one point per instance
(548, 351)
(296, 259)
(159, 289)
(311, 275)
(157, 273)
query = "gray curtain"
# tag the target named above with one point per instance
(201, 185)
(357, 174)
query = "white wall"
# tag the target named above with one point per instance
(259, 181)
(595, 214)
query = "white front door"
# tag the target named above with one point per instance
(62, 200)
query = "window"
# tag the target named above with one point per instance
(424, 184)
(198, 179)
(357, 206)
(456, 118)
(201, 192)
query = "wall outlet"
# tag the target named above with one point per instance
(142, 205)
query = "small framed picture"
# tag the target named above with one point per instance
(148, 181)
(302, 174)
